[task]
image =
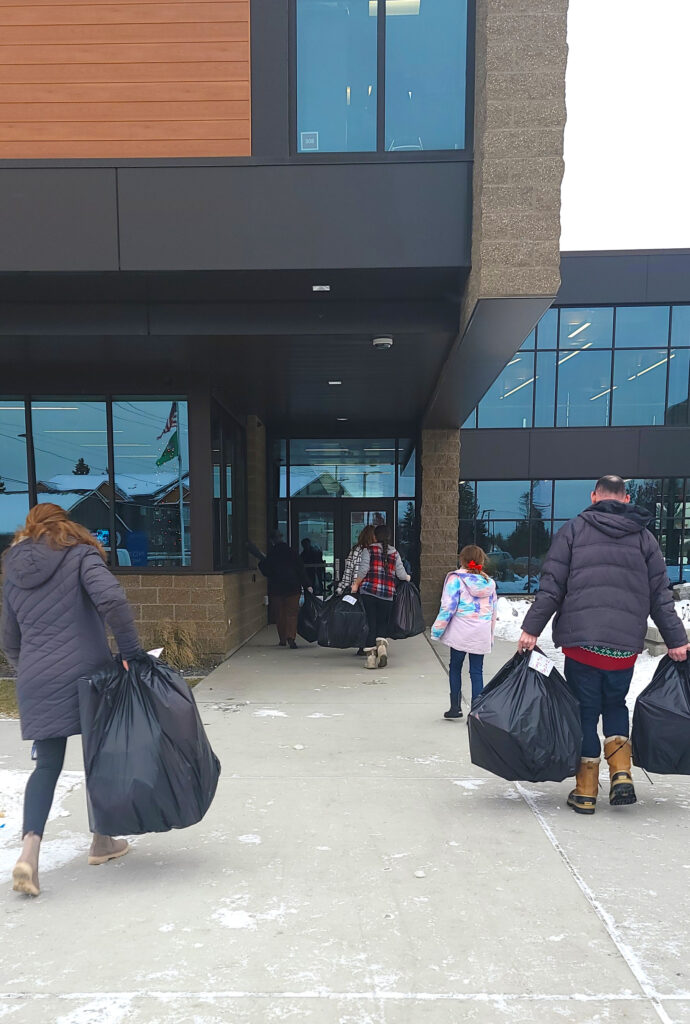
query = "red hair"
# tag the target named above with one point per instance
(50, 523)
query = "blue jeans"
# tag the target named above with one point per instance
(457, 660)
(601, 694)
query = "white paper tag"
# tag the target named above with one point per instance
(350, 599)
(541, 663)
(156, 652)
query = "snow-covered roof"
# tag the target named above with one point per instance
(131, 484)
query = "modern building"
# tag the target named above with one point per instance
(601, 385)
(258, 263)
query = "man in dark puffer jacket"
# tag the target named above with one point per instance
(603, 576)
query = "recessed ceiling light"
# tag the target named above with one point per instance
(342, 419)
(320, 287)
(334, 382)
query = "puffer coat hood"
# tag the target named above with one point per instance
(54, 605)
(30, 565)
(616, 519)
(603, 576)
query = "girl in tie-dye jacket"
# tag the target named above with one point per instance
(466, 622)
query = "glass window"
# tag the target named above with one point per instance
(540, 541)
(639, 387)
(586, 327)
(584, 389)
(647, 494)
(641, 326)
(571, 497)
(71, 452)
(342, 468)
(426, 74)
(406, 539)
(336, 76)
(467, 500)
(542, 499)
(406, 468)
(471, 421)
(545, 390)
(678, 387)
(278, 469)
(508, 402)
(547, 329)
(151, 458)
(14, 487)
(503, 499)
(680, 325)
(508, 554)
(529, 341)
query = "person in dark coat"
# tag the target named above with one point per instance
(57, 594)
(603, 576)
(286, 575)
(314, 565)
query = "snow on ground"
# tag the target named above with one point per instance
(509, 626)
(55, 852)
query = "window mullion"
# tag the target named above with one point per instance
(381, 78)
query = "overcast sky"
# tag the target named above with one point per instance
(627, 139)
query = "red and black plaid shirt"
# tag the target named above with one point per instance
(380, 580)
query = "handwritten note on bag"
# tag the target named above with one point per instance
(541, 663)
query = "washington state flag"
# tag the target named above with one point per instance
(170, 452)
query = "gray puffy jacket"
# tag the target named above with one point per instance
(54, 606)
(603, 576)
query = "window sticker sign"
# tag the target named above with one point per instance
(309, 142)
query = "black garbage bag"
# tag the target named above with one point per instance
(661, 721)
(406, 615)
(149, 765)
(525, 725)
(308, 618)
(343, 622)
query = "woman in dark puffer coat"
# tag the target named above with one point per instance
(57, 594)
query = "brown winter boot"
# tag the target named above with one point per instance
(583, 799)
(372, 657)
(25, 874)
(105, 848)
(618, 753)
(382, 651)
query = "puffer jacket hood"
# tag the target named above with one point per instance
(615, 518)
(31, 563)
(477, 584)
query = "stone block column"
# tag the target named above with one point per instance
(439, 514)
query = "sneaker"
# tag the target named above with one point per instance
(453, 713)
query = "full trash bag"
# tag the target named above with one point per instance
(661, 721)
(525, 724)
(149, 764)
(406, 615)
(343, 622)
(308, 618)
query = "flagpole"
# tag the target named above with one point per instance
(179, 482)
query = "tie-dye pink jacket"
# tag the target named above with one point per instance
(467, 618)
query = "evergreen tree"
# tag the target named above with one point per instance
(81, 469)
(2, 486)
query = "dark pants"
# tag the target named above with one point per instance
(378, 617)
(285, 612)
(601, 694)
(457, 660)
(40, 789)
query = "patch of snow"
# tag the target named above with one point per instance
(167, 928)
(249, 838)
(269, 713)
(319, 715)
(234, 918)
(420, 874)
(110, 1009)
(55, 852)
(469, 783)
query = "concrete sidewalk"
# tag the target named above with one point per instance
(356, 868)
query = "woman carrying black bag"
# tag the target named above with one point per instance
(57, 594)
(379, 569)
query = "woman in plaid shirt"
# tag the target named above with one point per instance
(379, 570)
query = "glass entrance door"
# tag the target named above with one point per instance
(325, 530)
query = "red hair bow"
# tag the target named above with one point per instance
(474, 566)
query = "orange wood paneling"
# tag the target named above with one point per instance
(131, 79)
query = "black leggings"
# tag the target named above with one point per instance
(40, 789)
(378, 616)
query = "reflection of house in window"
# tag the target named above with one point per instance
(324, 485)
(147, 512)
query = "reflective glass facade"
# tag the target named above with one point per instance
(514, 521)
(595, 367)
(119, 467)
(362, 62)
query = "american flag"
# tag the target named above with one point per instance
(171, 421)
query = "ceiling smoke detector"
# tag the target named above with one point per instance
(382, 343)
